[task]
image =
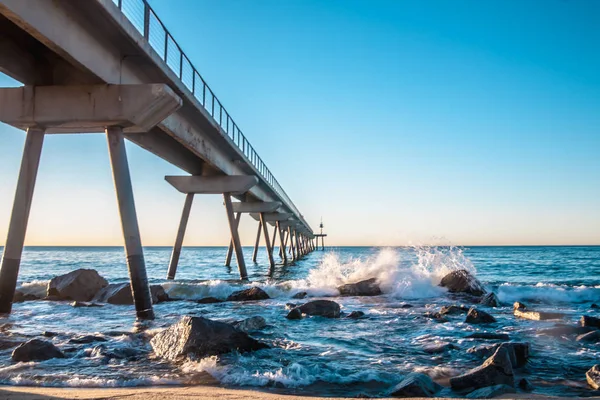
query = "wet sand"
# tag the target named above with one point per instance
(171, 393)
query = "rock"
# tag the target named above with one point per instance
(254, 293)
(290, 306)
(356, 314)
(36, 350)
(201, 337)
(120, 353)
(453, 310)
(416, 385)
(462, 281)
(490, 300)
(30, 291)
(517, 352)
(406, 306)
(8, 343)
(78, 285)
(595, 306)
(85, 339)
(490, 392)
(488, 336)
(439, 347)
(593, 337)
(300, 295)
(593, 377)
(368, 287)
(562, 329)
(250, 324)
(294, 314)
(49, 334)
(495, 370)
(525, 385)
(322, 308)
(20, 297)
(475, 316)
(209, 300)
(591, 322)
(120, 294)
(84, 304)
(436, 317)
(536, 315)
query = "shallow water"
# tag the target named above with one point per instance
(316, 355)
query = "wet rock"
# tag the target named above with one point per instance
(475, 316)
(321, 308)
(85, 339)
(20, 297)
(250, 324)
(462, 281)
(436, 317)
(36, 350)
(290, 306)
(563, 329)
(119, 353)
(254, 293)
(406, 306)
(525, 385)
(416, 385)
(517, 305)
(491, 392)
(517, 352)
(595, 306)
(84, 304)
(591, 322)
(488, 336)
(592, 337)
(294, 314)
(49, 334)
(496, 370)
(300, 295)
(120, 294)
(30, 291)
(209, 300)
(453, 310)
(78, 285)
(9, 343)
(520, 310)
(356, 314)
(368, 287)
(593, 377)
(436, 348)
(490, 300)
(201, 337)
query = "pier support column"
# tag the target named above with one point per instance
(254, 254)
(235, 237)
(11, 257)
(185, 215)
(274, 238)
(131, 233)
(282, 252)
(238, 216)
(267, 241)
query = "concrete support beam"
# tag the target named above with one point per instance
(292, 249)
(239, 255)
(282, 253)
(235, 184)
(131, 233)
(273, 217)
(11, 257)
(185, 215)
(267, 242)
(255, 253)
(88, 108)
(258, 207)
(238, 217)
(274, 237)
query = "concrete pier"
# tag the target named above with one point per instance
(239, 254)
(257, 243)
(267, 242)
(238, 217)
(185, 215)
(11, 257)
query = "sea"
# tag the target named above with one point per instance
(313, 356)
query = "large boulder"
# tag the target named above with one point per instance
(496, 370)
(322, 308)
(250, 324)
(368, 287)
(475, 316)
(490, 300)
(120, 294)
(78, 285)
(491, 392)
(518, 352)
(520, 310)
(201, 337)
(254, 293)
(36, 350)
(461, 281)
(593, 377)
(416, 385)
(591, 322)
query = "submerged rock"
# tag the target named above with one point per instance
(525, 385)
(36, 350)
(416, 385)
(368, 287)
(435, 348)
(78, 285)
(593, 337)
(488, 336)
(120, 294)
(593, 377)
(250, 324)
(85, 339)
(209, 300)
(300, 295)
(462, 281)
(453, 310)
(8, 343)
(591, 322)
(21, 296)
(254, 293)
(490, 300)
(491, 391)
(201, 337)
(475, 316)
(563, 329)
(355, 315)
(294, 314)
(322, 308)
(595, 306)
(496, 370)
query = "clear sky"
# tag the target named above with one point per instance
(466, 122)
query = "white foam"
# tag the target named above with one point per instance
(547, 293)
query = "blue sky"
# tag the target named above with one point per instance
(465, 122)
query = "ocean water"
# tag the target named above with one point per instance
(316, 356)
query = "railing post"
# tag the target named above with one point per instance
(146, 20)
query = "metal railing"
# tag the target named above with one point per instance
(145, 20)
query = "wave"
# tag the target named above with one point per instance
(548, 293)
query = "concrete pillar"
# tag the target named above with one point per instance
(281, 243)
(235, 237)
(11, 257)
(322, 243)
(292, 251)
(267, 241)
(254, 254)
(297, 245)
(131, 232)
(238, 216)
(274, 237)
(187, 206)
